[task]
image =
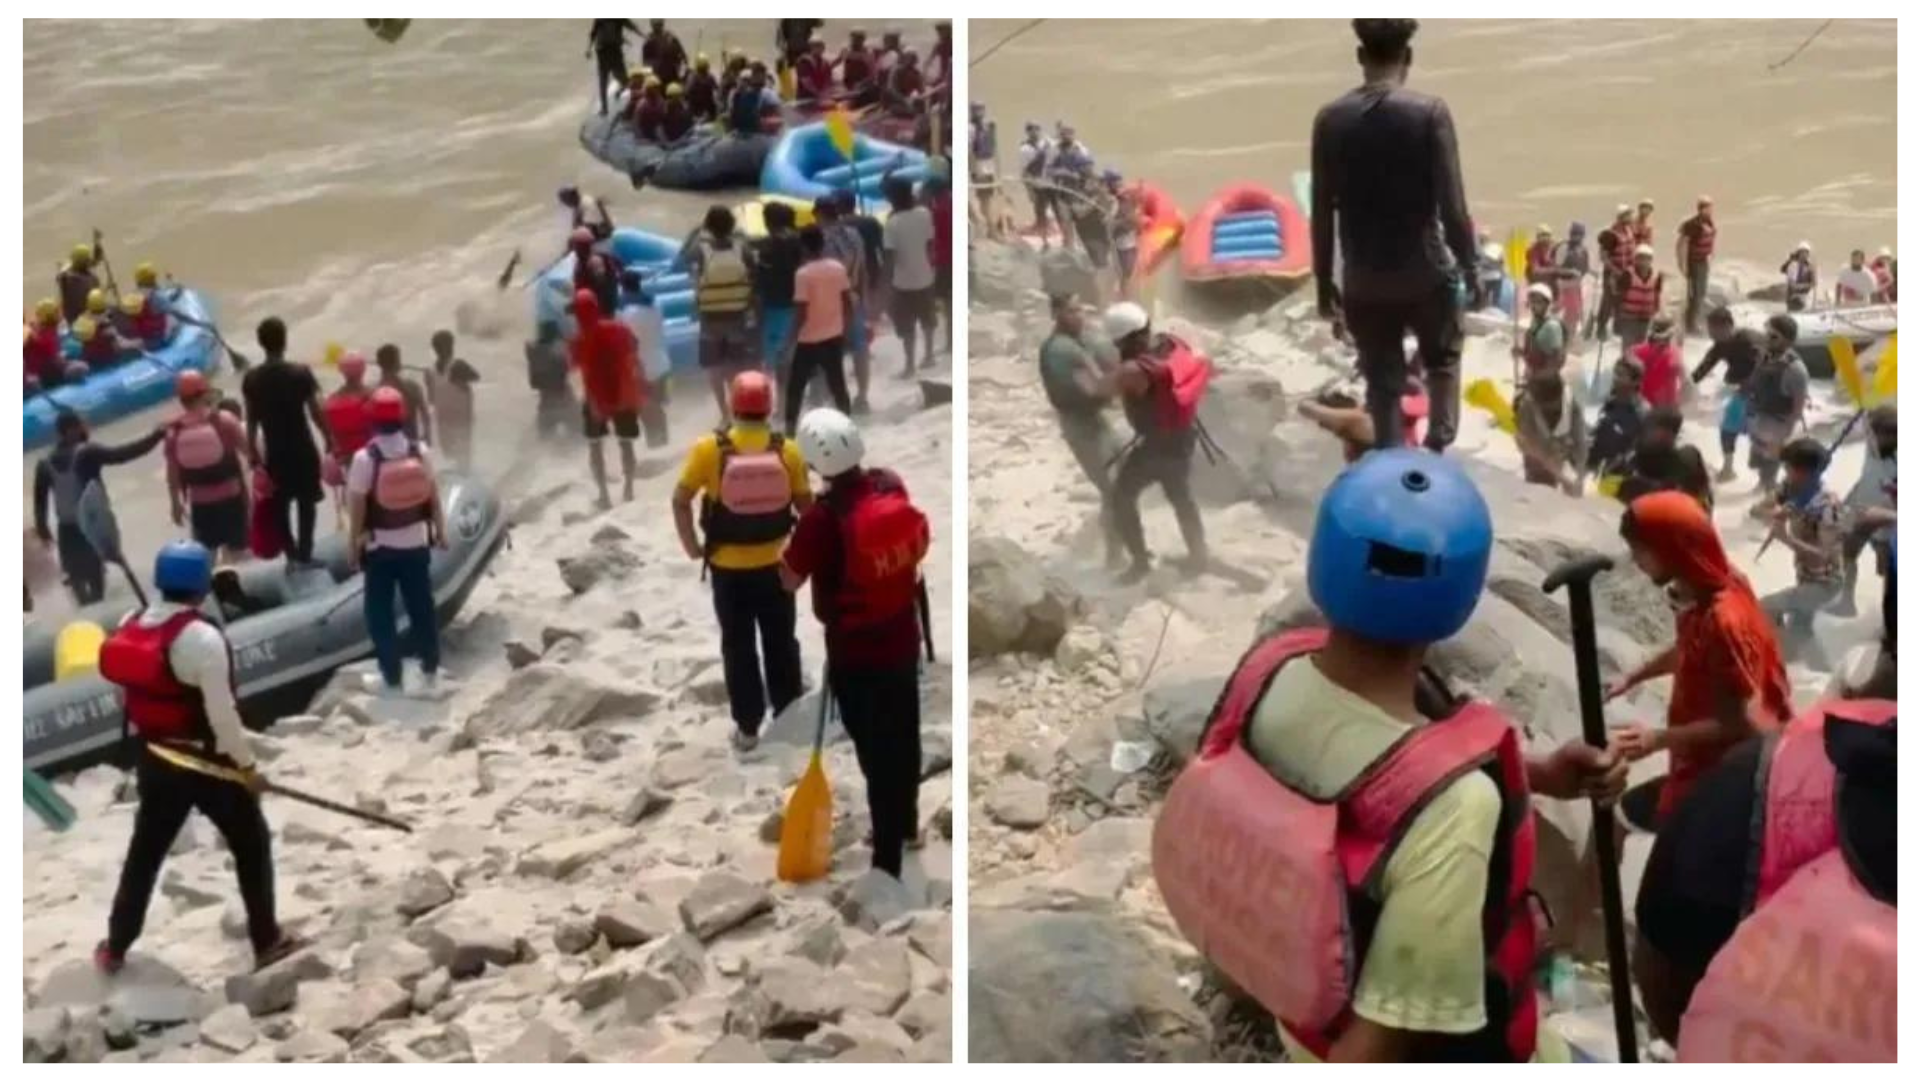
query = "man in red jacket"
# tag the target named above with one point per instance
(607, 359)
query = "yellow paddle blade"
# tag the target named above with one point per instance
(334, 352)
(76, 651)
(1846, 366)
(1609, 486)
(806, 832)
(1517, 256)
(750, 217)
(840, 131)
(1483, 395)
(1886, 377)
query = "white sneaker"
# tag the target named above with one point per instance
(427, 686)
(376, 684)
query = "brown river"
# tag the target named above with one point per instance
(362, 191)
(1558, 121)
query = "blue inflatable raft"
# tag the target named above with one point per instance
(672, 291)
(805, 164)
(132, 385)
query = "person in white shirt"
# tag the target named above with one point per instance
(175, 670)
(909, 256)
(649, 329)
(395, 519)
(1855, 286)
(1036, 156)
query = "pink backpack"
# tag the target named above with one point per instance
(201, 453)
(402, 490)
(753, 503)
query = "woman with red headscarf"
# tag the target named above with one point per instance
(1728, 677)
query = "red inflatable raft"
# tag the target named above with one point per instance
(1160, 225)
(1246, 232)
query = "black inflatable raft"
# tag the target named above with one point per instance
(701, 162)
(288, 635)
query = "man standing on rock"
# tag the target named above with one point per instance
(1079, 383)
(1386, 176)
(862, 544)
(751, 482)
(1693, 253)
(1160, 380)
(175, 671)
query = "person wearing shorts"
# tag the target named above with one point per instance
(724, 298)
(608, 361)
(909, 258)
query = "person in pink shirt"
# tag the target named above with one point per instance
(208, 458)
(823, 293)
(1661, 359)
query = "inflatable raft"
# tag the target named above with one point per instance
(139, 383)
(1160, 228)
(672, 291)
(288, 635)
(704, 161)
(804, 164)
(1863, 326)
(1246, 232)
(874, 121)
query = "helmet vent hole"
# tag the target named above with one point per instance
(1415, 480)
(1389, 561)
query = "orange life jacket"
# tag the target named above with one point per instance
(1700, 242)
(1640, 297)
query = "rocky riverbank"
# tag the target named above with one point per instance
(591, 873)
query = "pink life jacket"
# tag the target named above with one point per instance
(1270, 884)
(1810, 973)
(206, 463)
(402, 490)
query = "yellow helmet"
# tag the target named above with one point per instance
(83, 328)
(653, 81)
(47, 311)
(638, 78)
(133, 303)
(146, 276)
(334, 352)
(700, 60)
(83, 253)
(673, 90)
(96, 302)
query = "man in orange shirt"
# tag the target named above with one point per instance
(608, 361)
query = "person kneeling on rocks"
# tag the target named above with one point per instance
(751, 482)
(1161, 381)
(1348, 714)
(175, 671)
(862, 543)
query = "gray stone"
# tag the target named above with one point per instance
(931, 935)
(821, 942)
(800, 996)
(709, 687)
(348, 1009)
(554, 635)
(466, 943)
(936, 753)
(599, 746)
(422, 890)
(1176, 713)
(432, 989)
(312, 1047)
(548, 697)
(679, 767)
(732, 1049)
(1013, 603)
(875, 977)
(1068, 272)
(272, 988)
(665, 970)
(540, 1043)
(721, 901)
(647, 994)
(230, 1028)
(391, 958)
(574, 936)
(627, 620)
(298, 832)
(609, 534)
(874, 899)
(43, 1035)
(1018, 802)
(520, 654)
(146, 990)
(924, 1012)
(626, 923)
(118, 1029)
(645, 803)
(1074, 986)
(601, 563)
(559, 859)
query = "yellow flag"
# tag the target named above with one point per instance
(1886, 377)
(1846, 366)
(335, 351)
(840, 131)
(1517, 257)
(1483, 395)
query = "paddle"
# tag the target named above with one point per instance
(47, 804)
(102, 530)
(221, 772)
(240, 361)
(806, 829)
(1517, 273)
(100, 253)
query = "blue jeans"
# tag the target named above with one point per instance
(403, 571)
(776, 323)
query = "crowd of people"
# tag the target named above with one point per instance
(93, 326)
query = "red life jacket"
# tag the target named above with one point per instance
(1642, 232)
(1700, 241)
(103, 347)
(1640, 297)
(1810, 973)
(158, 705)
(1540, 264)
(151, 324)
(1621, 257)
(908, 81)
(856, 66)
(347, 419)
(42, 352)
(1179, 378)
(1270, 884)
(883, 540)
(753, 502)
(199, 450)
(814, 75)
(402, 490)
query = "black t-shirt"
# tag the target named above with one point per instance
(872, 235)
(776, 260)
(1615, 433)
(1667, 468)
(1741, 352)
(277, 394)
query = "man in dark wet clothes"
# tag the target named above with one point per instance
(283, 399)
(663, 54)
(791, 38)
(75, 463)
(607, 44)
(1386, 176)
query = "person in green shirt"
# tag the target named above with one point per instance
(1077, 373)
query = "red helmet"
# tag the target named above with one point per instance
(353, 364)
(189, 386)
(582, 237)
(751, 396)
(386, 406)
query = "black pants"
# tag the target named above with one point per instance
(86, 575)
(880, 708)
(1379, 328)
(756, 615)
(1171, 466)
(609, 64)
(1609, 303)
(828, 358)
(1699, 272)
(167, 795)
(285, 508)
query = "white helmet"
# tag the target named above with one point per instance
(1643, 251)
(1124, 318)
(830, 442)
(1540, 291)
(1806, 246)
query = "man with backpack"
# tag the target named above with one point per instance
(862, 543)
(395, 517)
(722, 273)
(1161, 381)
(751, 483)
(62, 476)
(208, 462)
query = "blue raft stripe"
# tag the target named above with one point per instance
(672, 292)
(128, 387)
(805, 164)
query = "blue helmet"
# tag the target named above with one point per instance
(183, 566)
(1400, 548)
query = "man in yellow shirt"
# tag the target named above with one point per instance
(752, 485)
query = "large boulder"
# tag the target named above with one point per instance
(1076, 986)
(548, 697)
(1176, 713)
(997, 274)
(1013, 603)
(1067, 271)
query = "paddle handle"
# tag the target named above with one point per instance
(826, 703)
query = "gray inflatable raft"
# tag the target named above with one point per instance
(288, 635)
(704, 161)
